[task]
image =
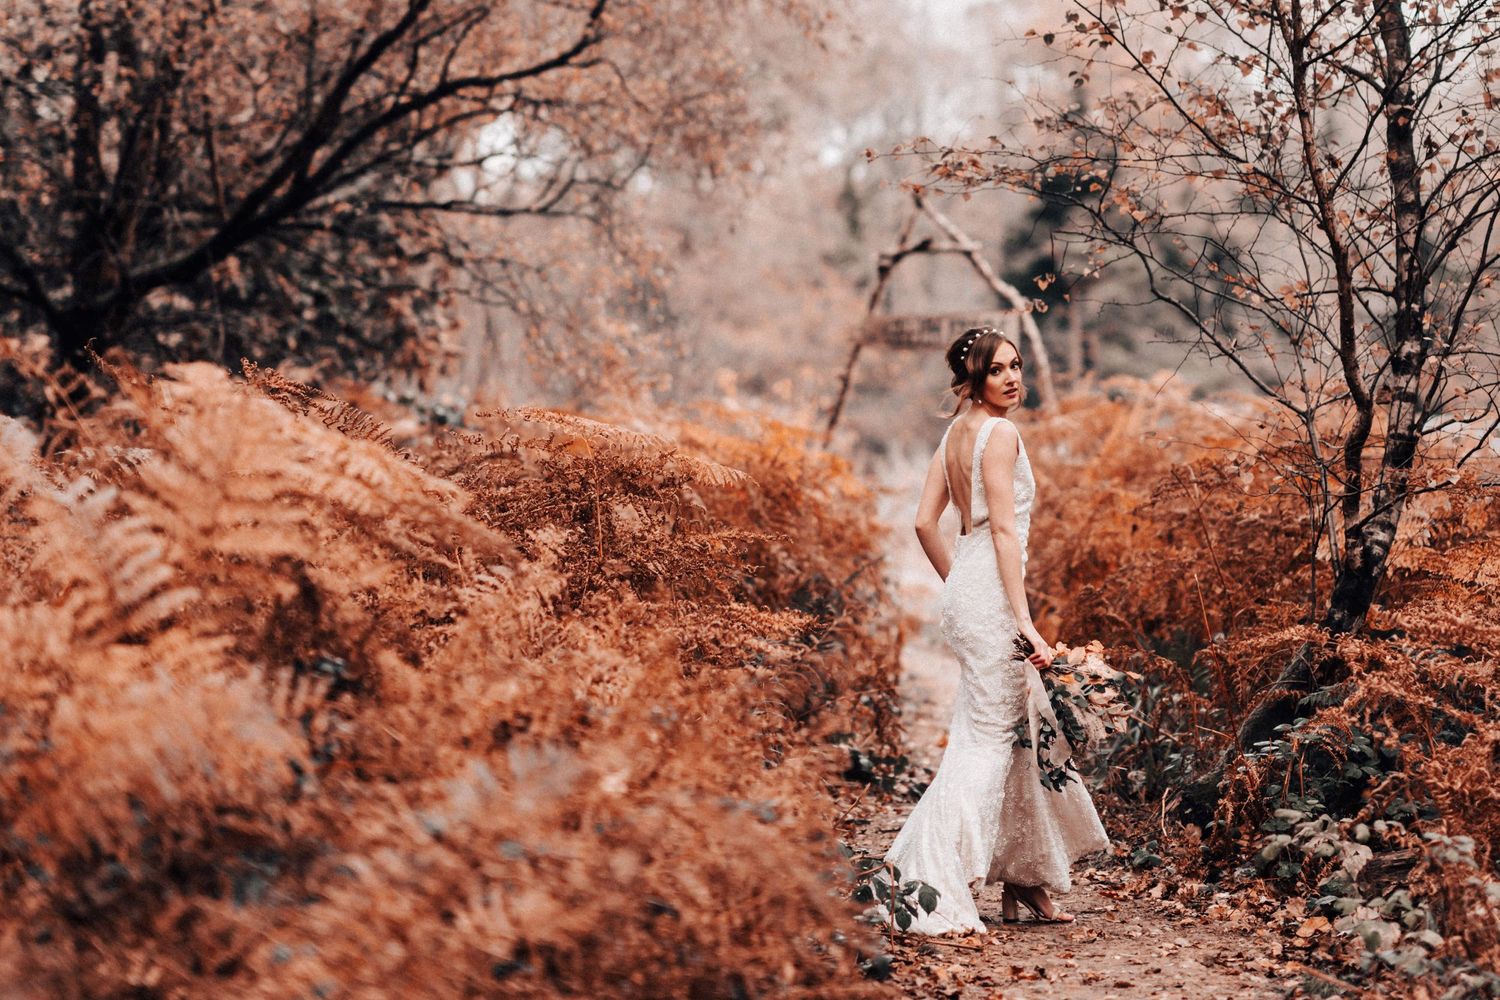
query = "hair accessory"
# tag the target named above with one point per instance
(970, 342)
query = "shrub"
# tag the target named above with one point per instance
(295, 707)
(1184, 543)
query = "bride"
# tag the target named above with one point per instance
(996, 810)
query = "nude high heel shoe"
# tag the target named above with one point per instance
(1012, 894)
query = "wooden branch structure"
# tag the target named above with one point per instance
(937, 330)
(1008, 295)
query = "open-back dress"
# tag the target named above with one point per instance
(988, 815)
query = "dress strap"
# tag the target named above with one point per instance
(943, 458)
(980, 440)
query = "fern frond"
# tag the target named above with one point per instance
(578, 435)
(344, 417)
(265, 672)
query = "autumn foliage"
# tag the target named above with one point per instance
(299, 702)
(1179, 534)
(320, 182)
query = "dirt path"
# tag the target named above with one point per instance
(1133, 939)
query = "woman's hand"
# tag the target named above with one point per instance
(1041, 649)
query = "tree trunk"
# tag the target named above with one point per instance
(885, 267)
(1080, 342)
(1367, 536)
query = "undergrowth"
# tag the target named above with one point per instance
(297, 706)
(1180, 534)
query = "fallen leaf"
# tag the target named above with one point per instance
(1313, 925)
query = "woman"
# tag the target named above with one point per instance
(991, 814)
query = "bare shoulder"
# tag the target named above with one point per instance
(1011, 429)
(1004, 440)
(1005, 430)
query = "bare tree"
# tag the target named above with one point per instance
(193, 178)
(1314, 189)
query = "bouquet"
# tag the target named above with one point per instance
(1085, 694)
(1078, 697)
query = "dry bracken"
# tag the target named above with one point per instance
(295, 708)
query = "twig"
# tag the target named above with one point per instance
(1330, 980)
(1164, 795)
(1208, 632)
(857, 800)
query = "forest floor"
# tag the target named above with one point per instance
(1138, 934)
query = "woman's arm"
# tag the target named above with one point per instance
(929, 508)
(997, 466)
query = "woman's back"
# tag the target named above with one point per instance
(958, 456)
(963, 446)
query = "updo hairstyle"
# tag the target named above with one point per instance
(969, 359)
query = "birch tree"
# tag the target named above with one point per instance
(1313, 188)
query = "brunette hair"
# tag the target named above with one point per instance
(969, 359)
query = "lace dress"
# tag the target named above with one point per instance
(988, 815)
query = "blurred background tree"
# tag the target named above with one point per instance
(588, 203)
(314, 183)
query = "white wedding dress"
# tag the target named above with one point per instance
(987, 815)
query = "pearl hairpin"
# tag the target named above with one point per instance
(970, 341)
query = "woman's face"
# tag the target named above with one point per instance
(1002, 384)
